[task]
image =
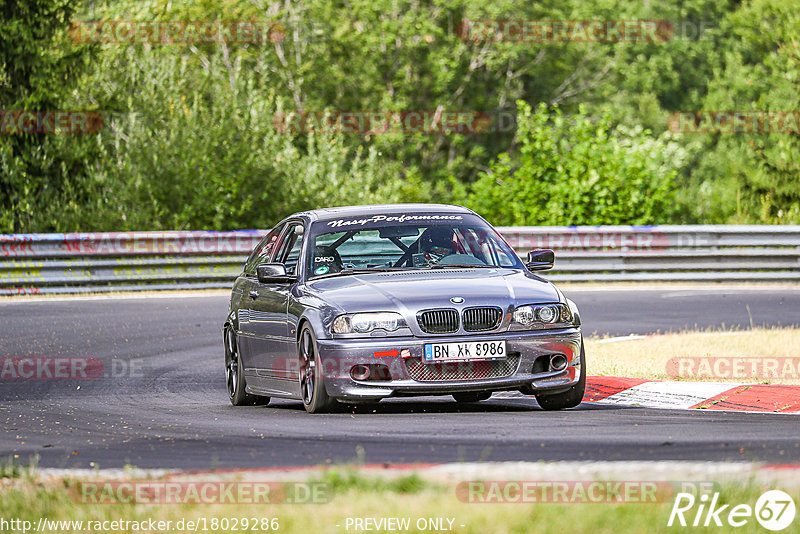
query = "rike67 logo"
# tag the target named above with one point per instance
(774, 510)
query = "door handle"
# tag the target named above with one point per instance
(253, 294)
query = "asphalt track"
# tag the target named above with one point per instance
(164, 403)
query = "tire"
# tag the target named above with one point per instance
(312, 379)
(472, 396)
(235, 382)
(570, 398)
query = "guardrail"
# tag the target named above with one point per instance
(713, 253)
(90, 262)
(120, 261)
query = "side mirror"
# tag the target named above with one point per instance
(540, 259)
(273, 273)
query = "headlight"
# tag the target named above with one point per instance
(541, 316)
(548, 314)
(362, 323)
(525, 315)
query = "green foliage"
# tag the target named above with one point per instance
(202, 150)
(189, 140)
(10, 469)
(13, 468)
(752, 178)
(42, 177)
(574, 170)
(344, 479)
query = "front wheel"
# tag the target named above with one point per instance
(570, 398)
(234, 375)
(312, 380)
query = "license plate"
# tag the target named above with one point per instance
(472, 350)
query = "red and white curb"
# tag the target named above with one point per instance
(721, 396)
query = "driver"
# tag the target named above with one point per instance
(436, 243)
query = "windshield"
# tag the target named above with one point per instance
(403, 246)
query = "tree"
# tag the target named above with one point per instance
(752, 177)
(194, 146)
(573, 170)
(43, 177)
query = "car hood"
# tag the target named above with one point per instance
(411, 291)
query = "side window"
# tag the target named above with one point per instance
(501, 258)
(291, 248)
(263, 251)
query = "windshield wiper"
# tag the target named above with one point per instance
(362, 271)
(401, 269)
(461, 266)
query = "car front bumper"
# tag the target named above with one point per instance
(531, 349)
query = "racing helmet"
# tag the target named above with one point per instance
(437, 239)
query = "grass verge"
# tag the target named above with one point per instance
(647, 357)
(357, 496)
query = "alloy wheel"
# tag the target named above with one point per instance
(308, 365)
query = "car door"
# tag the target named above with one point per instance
(246, 292)
(269, 306)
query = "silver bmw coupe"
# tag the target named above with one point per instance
(356, 304)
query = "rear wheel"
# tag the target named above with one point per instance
(312, 380)
(234, 374)
(472, 396)
(570, 398)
